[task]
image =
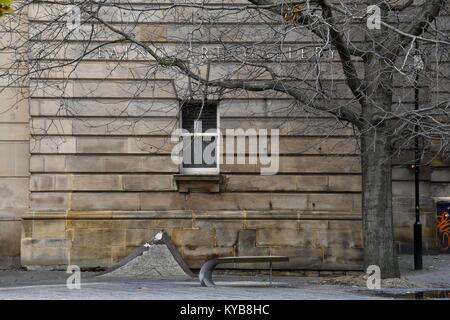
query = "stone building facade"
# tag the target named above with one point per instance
(86, 173)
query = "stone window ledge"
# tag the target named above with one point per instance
(187, 183)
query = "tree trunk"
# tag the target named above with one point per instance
(378, 229)
(378, 225)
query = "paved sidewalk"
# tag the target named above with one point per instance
(245, 288)
(52, 285)
(436, 271)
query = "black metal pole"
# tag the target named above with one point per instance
(418, 265)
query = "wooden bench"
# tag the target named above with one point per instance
(205, 275)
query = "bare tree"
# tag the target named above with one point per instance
(283, 47)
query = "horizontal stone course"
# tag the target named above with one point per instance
(101, 89)
(165, 182)
(163, 163)
(81, 144)
(54, 201)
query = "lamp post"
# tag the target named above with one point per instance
(418, 264)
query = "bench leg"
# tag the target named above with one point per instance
(205, 275)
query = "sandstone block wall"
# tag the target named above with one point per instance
(14, 139)
(91, 148)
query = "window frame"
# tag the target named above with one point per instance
(201, 171)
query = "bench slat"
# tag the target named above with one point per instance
(252, 259)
